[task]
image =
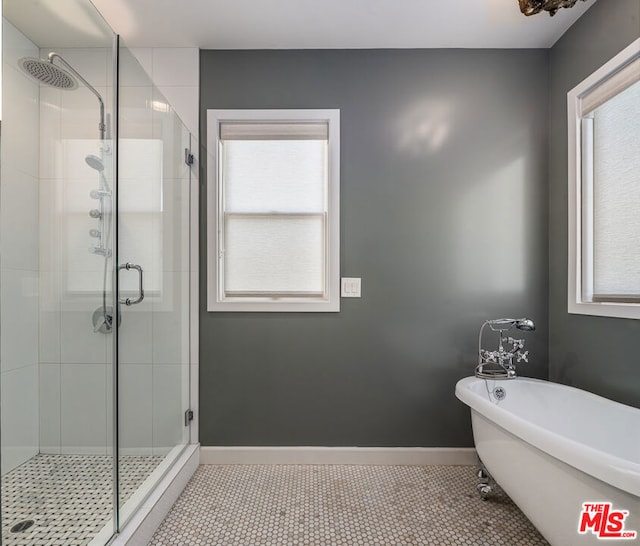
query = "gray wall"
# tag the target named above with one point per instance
(594, 353)
(444, 216)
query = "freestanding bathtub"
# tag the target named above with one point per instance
(553, 448)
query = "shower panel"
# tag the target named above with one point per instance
(92, 227)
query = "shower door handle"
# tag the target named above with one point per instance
(129, 266)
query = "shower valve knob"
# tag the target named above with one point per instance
(516, 342)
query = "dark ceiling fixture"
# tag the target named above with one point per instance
(531, 7)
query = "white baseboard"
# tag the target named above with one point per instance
(338, 455)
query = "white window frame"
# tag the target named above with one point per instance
(215, 298)
(580, 194)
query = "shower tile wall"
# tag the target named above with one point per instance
(75, 369)
(19, 270)
(176, 72)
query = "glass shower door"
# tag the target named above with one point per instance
(153, 258)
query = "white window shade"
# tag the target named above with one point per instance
(274, 255)
(274, 176)
(299, 130)
(616, 197)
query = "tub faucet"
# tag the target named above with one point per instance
(500, 364)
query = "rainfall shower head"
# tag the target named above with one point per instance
(48, 73)
(94, 162)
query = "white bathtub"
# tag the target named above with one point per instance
(553, 448)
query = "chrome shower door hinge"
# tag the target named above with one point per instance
(188, 417)
(188, 157)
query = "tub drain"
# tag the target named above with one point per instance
(499, 393)
(22, 526)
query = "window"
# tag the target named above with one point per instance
(273, 210)
(604, 190)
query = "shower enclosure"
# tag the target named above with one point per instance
(96, 187)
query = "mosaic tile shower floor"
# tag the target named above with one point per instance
(69, 497)
(341, 505)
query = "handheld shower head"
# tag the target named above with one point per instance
(525, 324)
(94, 162)
(505, 324)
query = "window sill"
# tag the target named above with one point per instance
(271, 306)
(613, 310)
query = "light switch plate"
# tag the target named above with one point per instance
(351, 287)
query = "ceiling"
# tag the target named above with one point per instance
(330, 24)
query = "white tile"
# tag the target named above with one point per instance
(171, 320)
(50, 220)
(19, 319)
(19, 219)
(86, 284)
(20, 124)
(51, 149)
(138, 239)
(140, 172)
(144, 56)
(135, 407)
(135, 119)
(135, 334)
(81, 113)
(74, 164)
(49, 317)
(176, 66)
(93, 63)
(49, 402)
(15, 44)
(19, 416)
(78, 342)
(184, 100)
(169, 129)
(173, 224)
(83, 408)
(168, 410)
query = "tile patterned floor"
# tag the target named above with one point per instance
(341, 505)
(69, 497)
